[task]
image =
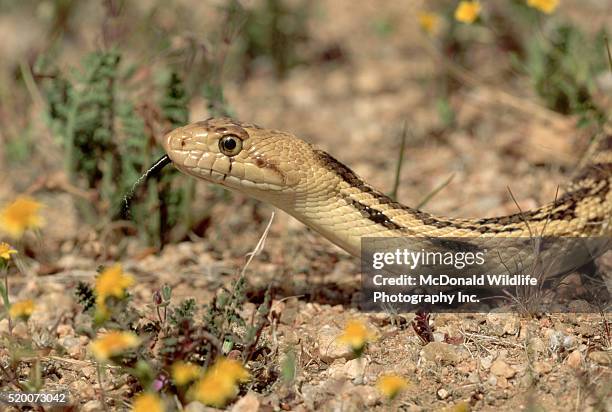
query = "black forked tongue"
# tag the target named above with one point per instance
(152, 171)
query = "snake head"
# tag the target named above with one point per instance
(260, 162)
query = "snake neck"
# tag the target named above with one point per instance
(344, 209)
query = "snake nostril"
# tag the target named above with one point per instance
(176, 139)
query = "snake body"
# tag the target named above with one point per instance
(278, 168)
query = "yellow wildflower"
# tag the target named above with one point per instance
(22, 309)
(462, 406)
(6, 251)
(185, 372)
(545, 6)
(230, 368)
(220, 383)
(113, 282)
(391, 385)
(22, 214)
(356, 335)
(112, 344)
(429, 22)
(148, 402)
(468, 11)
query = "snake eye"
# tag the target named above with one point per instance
(230, 145)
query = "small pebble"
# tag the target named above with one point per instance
(442, 394)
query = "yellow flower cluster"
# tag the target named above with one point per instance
(148, 402)
(220, 383)
(22, 214)
(113, 344)
(6, 251)
(545, 6)
(22, 309)
(185, 372)
(391, 385)
(429, 22)
(468, 11)
(112, 282)
(356, 335)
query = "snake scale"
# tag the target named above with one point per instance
(278, 168)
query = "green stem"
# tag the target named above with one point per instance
(400, 160)
(434, 192)
(4, 290)
(608, 50)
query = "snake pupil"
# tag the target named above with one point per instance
(230, 145)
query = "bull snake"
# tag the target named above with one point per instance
(278, 168)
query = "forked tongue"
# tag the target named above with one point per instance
(152, 171)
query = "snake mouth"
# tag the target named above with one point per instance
(226, 179)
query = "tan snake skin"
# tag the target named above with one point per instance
(281, 169)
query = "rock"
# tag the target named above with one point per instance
(20, 329)
(336, 369)
(65, 330)
(574, 359)
(569, 342)
(442, 353)
(555, 340)
(502, 382)
(4, 326)
(329, 347)
(442, 394)
(512, 326)
(536, 346)
(248, 403)
(542, 367)
(345, 402)
(73, 346)
(467, 366)
(486, 362)
(83, 388)
(369, 394)
(92, 406)
(503, 324)
(88, 371)
(500, 368)
(355, 368)
(492, 380)
(601, 357)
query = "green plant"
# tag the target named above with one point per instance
(177, 336)
(274, 30)
(107, 145)
(563, 67)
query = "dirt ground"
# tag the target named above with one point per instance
(355, 109)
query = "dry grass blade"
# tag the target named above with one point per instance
(259, 247)
(400, 161)
(434, 192)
